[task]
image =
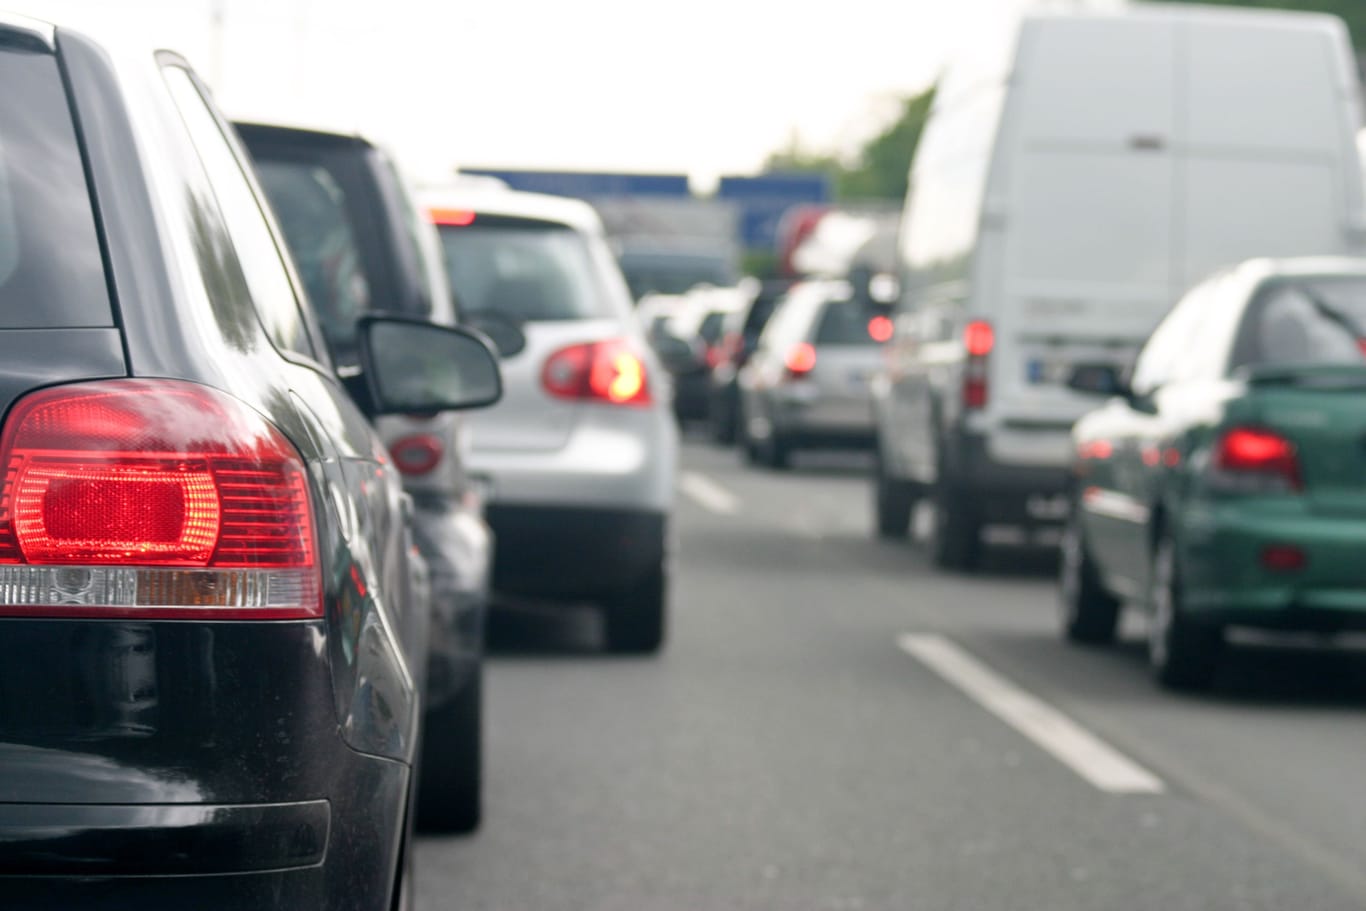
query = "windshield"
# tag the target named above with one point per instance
(528, 270)
(51, 269)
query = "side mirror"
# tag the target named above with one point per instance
(1097, 379)
(676, 353)
(507, 337)
(416, 367)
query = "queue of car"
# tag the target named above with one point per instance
(1050, 224)
(246, 540)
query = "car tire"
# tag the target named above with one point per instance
(893, 501)
(449, 790)
(775, 452)
(1182, 652)
(635, 618)
(956, 543)
(722, 422)
(1090, 614)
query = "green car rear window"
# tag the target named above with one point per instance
(1319, 321)
(51, 268)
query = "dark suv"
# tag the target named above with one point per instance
(214, 627)
(360, 247)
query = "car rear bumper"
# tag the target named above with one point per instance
(566, 553)
(1004, 491)
(1225, 578)
(196, 763)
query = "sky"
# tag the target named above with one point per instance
(703, 87)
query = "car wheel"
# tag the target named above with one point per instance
(1183, 653)
(776, 452)
(449, 790)
(1090, 614)
(956, 543)
(722, 423)
(893, 501)
(635, 618)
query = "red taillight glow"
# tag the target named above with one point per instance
(607, 371)
(1259, 453)
(1283, 558)
(452, 218)
(979, 338)
(152, 498)
(880, 329)
(714, 355)
(801, 359)
(417, 455)
(1099, 450)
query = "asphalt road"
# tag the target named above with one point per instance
(835, 725)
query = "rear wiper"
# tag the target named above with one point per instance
(1331, 313)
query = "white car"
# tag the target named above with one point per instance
(580, 456)
(1064, 195)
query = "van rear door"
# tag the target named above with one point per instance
(1268, 170)
(1081, 208)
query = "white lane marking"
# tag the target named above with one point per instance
(1068, 742)
(708, 494)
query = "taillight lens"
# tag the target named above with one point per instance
(978, 340)
(152, 498)
(800, 360)
(880, 329)
(607, 371)
(418, 454)
(1256, 460)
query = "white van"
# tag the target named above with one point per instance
(1065, 193)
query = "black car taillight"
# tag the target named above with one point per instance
(153, 499)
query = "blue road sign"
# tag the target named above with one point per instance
(764, 199)
(590, 184)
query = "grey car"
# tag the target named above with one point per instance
(806, 385)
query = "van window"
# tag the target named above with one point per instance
(1318, 322)
(51, 268)
(525, 269)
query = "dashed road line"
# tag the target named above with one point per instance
(708, 494)
(1093, 759)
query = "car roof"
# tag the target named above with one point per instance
(306, 135)
(514, 204)
(1302, 267)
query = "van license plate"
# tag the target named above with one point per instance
(1051, 371)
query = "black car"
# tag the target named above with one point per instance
(360, 246)
(213, 641)
(740, 331)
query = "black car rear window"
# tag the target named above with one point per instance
(525, 269)
(712, 326)
(51, 267)
(844, 323)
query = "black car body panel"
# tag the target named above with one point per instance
(274, 755)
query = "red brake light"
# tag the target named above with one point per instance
(152, 498)
(979, 338)
(880, 329)
(607, 371)
(452, 218)
(417, 455)
(801, 359)
(1262, 457)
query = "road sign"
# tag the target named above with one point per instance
(763, 200)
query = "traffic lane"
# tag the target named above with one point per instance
(1276, 745)
(785, 753)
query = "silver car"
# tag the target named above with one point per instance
(806, 385)
(580, 456)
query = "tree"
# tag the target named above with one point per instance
(880, 168)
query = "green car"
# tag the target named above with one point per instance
(1224, 482)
